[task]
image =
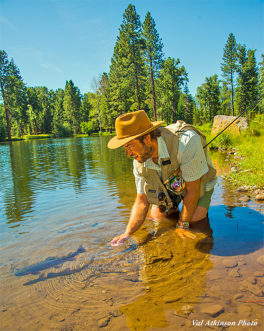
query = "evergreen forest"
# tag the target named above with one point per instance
(139, 77)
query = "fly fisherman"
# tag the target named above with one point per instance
(170, 165)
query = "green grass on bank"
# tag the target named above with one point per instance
(39, 136)
(51, 135)
(249, 147)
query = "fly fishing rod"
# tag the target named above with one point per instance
(231, 123)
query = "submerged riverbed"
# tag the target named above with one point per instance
(62, 201)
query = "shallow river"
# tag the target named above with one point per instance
(62, 201)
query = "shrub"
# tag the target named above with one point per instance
(2, 129)
(62, 130)
(87, 127)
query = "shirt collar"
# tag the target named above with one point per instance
(163, 154)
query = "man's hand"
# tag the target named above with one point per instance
(183, 233)
(119, 240)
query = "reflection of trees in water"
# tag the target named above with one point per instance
(174, 275)
(39, 166)
(223, 167)
(42, 165)
(20, 196)
(229, 211)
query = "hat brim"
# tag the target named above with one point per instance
(118, 142)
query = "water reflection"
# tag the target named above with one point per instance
(31, 167)
(236, 230)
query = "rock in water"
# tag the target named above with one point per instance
(259, 196)
(243, 189)
(221, 121)
(244, 199)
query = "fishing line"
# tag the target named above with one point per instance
(258, 101)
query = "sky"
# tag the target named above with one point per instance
(52, 41)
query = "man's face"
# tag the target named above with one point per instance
(138, 150)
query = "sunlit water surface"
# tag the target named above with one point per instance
(61, 202)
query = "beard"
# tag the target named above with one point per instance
(146, 154)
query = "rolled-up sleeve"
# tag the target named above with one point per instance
(139, 181)
(191, 157)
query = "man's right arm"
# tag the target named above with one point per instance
(137, 217)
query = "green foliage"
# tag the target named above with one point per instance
(35, 137)
(229, 65)
(186, 107)
(171, 79)
(138, 77)
(72, 105)
(62, 130)
(208, 97)
(87, 127)
(226, 108)
(153, 55)
(2, 124)
(127, 83)
(261, 83)
(12, 93)
(247, 91)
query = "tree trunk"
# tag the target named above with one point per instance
(99, 114)
(137, 88)
(7, 114)
(7, 122)
(153, 91)
(232, 94)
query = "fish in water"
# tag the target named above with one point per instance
(50, 262)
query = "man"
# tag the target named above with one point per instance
(170, 165)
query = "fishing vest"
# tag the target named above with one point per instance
(170, 166)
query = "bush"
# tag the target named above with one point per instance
(2, 129)
(62, 130)
(87, 127)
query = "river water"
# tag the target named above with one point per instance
(63, 200)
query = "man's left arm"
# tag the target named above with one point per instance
(193, 166)
(190, 200)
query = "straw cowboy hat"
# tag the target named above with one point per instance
(130, 126)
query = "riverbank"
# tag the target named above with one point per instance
(244, 153)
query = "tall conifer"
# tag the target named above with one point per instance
(229, 65)
(261, 82)
(153, 54)
(127, 73)
(12, 89)
(248, 89)
(171, 80)
(208, 97)
(71, 105)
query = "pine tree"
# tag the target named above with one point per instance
(107, 120)
(127, 74)
(226, 108)
(208, 97)
(58, 116)
(186, 106)
(247, 89)
(229, 65)
(12, 89)
(261, 83)
(170, 81)
(34, 110)
(153, 54)
(71, 105)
